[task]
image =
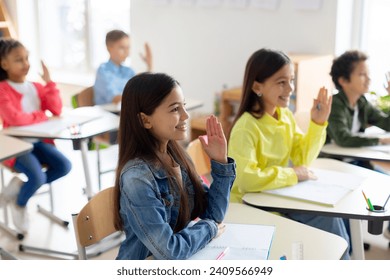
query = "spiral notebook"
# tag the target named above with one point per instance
(245, 242)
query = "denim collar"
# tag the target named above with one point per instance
(155, 168)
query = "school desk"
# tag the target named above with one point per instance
(106, 122)
(11, 147)
(352, 206)
(291, 239)
(361, 153)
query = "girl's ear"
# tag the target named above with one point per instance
(256, 87)
(145, 121)
(4, 64)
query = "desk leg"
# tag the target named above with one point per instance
(84, 155)
(356, 239)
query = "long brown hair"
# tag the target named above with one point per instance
(261, 65)
(144, 93)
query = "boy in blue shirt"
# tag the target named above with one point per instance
(112, 75)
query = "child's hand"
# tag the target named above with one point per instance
(321, 107)
(388, 88)
(221, 229)
(45, 75)
(148, 57)
(384, 141)
(214, 143)
(304, 173)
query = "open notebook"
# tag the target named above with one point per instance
(245, 242)
(328, 189)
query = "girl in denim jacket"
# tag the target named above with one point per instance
(158, 192)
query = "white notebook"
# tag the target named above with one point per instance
(328, 189)
(245, 242)
(56, 124)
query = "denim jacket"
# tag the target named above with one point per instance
(149, 210)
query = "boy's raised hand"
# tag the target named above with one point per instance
(148, 57)
(321, 107)
(214, 143)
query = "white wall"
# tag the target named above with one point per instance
(204, 48)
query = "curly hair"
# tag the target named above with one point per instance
(344, 65)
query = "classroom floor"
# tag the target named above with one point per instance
(69, 198)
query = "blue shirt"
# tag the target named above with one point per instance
(110, 81)
(149, 209)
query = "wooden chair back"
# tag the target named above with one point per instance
(199, 157)
(83, 98)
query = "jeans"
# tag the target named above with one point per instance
(31, 165)
(329, 224)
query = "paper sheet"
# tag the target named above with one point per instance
(328, 189)
(245, 242)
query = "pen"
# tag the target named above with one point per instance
(220, 256)
(370, 205)
(387, 200)
(365, 198)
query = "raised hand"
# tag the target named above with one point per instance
(321, 107)
(214, 143)
(148, 57)
(45, 75)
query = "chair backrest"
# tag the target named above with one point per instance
(302, 118)
(83, 98)
(199, 157)
(95, 221)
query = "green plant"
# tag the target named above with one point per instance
(383, 103)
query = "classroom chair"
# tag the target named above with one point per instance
(200, 159)
(48, 213)
(5, 255)
(95, 222)
(86, 98)
(302, 119)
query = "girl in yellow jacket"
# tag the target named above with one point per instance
(265, 138)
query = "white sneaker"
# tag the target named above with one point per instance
(20, 217)
(386, 233)
(11, 191)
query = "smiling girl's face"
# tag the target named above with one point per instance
(277, 89)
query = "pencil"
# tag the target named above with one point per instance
(365, 198)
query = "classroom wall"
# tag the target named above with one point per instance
(205, 48)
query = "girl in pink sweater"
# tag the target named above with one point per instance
(23, 103)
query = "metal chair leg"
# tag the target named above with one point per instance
(50, 214)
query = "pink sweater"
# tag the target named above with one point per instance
(11, 111)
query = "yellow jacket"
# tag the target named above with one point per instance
(263, 149)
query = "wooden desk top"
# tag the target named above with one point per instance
(11, 147)
(361, 153)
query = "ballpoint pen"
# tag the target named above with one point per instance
(222, 254)
(387, 200)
